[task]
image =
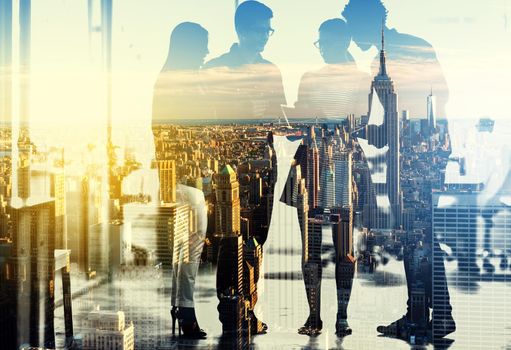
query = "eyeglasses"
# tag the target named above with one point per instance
(266, 31)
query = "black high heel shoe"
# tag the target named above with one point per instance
(188, 324)
(342, 328)
(173, 313)
(311, 328)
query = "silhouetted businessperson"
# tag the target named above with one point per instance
(333, 92)
(178, 94)
(242, 85)
(413, 65)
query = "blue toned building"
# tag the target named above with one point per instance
(472, 232)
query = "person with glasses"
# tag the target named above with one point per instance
(333, 92)
(242, 85)
(339, 88)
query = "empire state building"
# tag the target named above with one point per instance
(387, 134)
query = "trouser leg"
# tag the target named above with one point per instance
(176, 266)
(188, 271)
(312, 274)
(408, 255)
(344, 272)
(312, 278)
(440, 301)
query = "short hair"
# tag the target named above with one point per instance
(334, 25)
(250, 12)
(356, 9)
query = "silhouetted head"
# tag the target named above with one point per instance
(365, 19)
(253, 25)
(333, 42)
(188, 46)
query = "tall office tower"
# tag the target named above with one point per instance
(107, 330)
(339, 142)
(327, 191)
(253, 255)
(325, 155)
(180, 225)
(351, 122)
(33, 279)
(57, 191)
(342, 226)
(477, 236)
(366, 203)
(290, 192)
(313, 173)
(24, 167)
(167, 175)
(229, 285)
(343, 163)
(98, 250)
(431, 110)
(301, 159)
(406, 129)
(271, 155)
(323, 150)
(387, 135)
(150, 227)
(256, 188)
(227, 203)
(302, 206)
(77, 203)
(42, 181)
(312, 269)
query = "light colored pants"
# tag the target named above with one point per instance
(187, 251)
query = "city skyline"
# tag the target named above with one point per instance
(138, 229)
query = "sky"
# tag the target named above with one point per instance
(472, 40)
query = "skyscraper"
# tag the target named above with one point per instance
(151, 226)
(387, 134)
(302, 207)
(57, 191)
(476, 234)
(431, 110)
(34, 236)
(227, 203)
(78, 201)
(34, 272)
(342, 162)
(327, 192)
(167, 175)
(312, 172)
(179, 228)
(342, 226)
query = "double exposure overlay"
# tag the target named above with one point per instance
(255, 174)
